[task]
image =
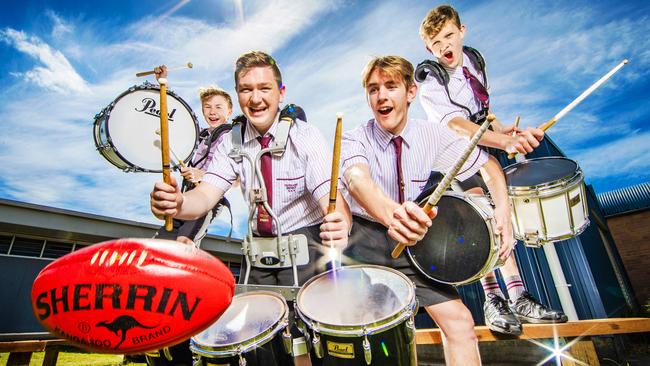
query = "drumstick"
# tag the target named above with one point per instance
(449, 176)
(336, 156)
(150, 72)
(514, 132)
(334, 179)
(546, 125)
(164, 142)
(180, 161)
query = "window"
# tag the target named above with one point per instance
(5, 243)
(27, 247)
(55, 249)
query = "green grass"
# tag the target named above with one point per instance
(75, 359)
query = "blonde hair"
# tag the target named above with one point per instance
(394, 66)
(257, 59)
(436, 19)
(208, 92)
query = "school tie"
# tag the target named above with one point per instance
(264, 221)
(478, 89)
(397, 141)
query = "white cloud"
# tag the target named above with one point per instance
(60, 27)
(57, 75)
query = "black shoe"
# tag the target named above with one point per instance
(529, 310)
(498, 316)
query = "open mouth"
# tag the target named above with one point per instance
(256, 111)
(384, 111)
(449, 55)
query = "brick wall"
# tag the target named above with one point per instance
(631, 233)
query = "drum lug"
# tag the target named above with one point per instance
(167, 354)
(242, 360)
(198, 362)
(367, 351)
(287, 340)
(318, 347)
(410, 329)
(532, 240)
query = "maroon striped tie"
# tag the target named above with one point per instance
(478, 89)
(397, 140)
(264, 221)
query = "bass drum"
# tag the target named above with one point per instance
(359, 315)
(127, 131)
(460, 247)
(253, 331)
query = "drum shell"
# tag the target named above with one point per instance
(266, 348)
(481, 208)
(399, 342)
(397, 332)
(549, 212)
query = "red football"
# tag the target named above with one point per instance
(132, 295)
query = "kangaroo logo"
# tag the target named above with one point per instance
(122, 323)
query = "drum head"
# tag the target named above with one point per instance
(539, 171)
(249, 315)
(132, 124)
(457, 246)
(355, 295)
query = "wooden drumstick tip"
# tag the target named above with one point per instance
(189, 65)
(162, 81)
(626, 61)
(339, 115)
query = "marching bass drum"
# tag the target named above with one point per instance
(548, 200)
(127, 131)
(460, 247)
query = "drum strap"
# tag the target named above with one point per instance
(288, 116)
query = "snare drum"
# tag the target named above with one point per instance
(252, 331)
(460, 247)
(125, 131)
(548, 200)
(359, 315)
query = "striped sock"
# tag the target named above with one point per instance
(491, 285)
(515, 287)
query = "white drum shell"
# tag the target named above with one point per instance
(550, 212)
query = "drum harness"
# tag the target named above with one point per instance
(281, 251)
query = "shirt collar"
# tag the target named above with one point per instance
(457, 72)
(251, 132)
(384, 137)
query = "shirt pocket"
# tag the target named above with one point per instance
(289, 189)
(416, 185)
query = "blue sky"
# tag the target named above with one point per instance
(64, 61)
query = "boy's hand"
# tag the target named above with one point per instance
(504, 230)
(193, 175)
(166, 199)
(410, 223)
(334, 230)
(160, 71)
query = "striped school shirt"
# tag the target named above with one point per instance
(426, 146)
(300, 176)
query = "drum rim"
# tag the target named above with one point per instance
(105, 114)
(549, 189)
(376, 326)
(495, 242)
(234, 349)
(542, 186)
